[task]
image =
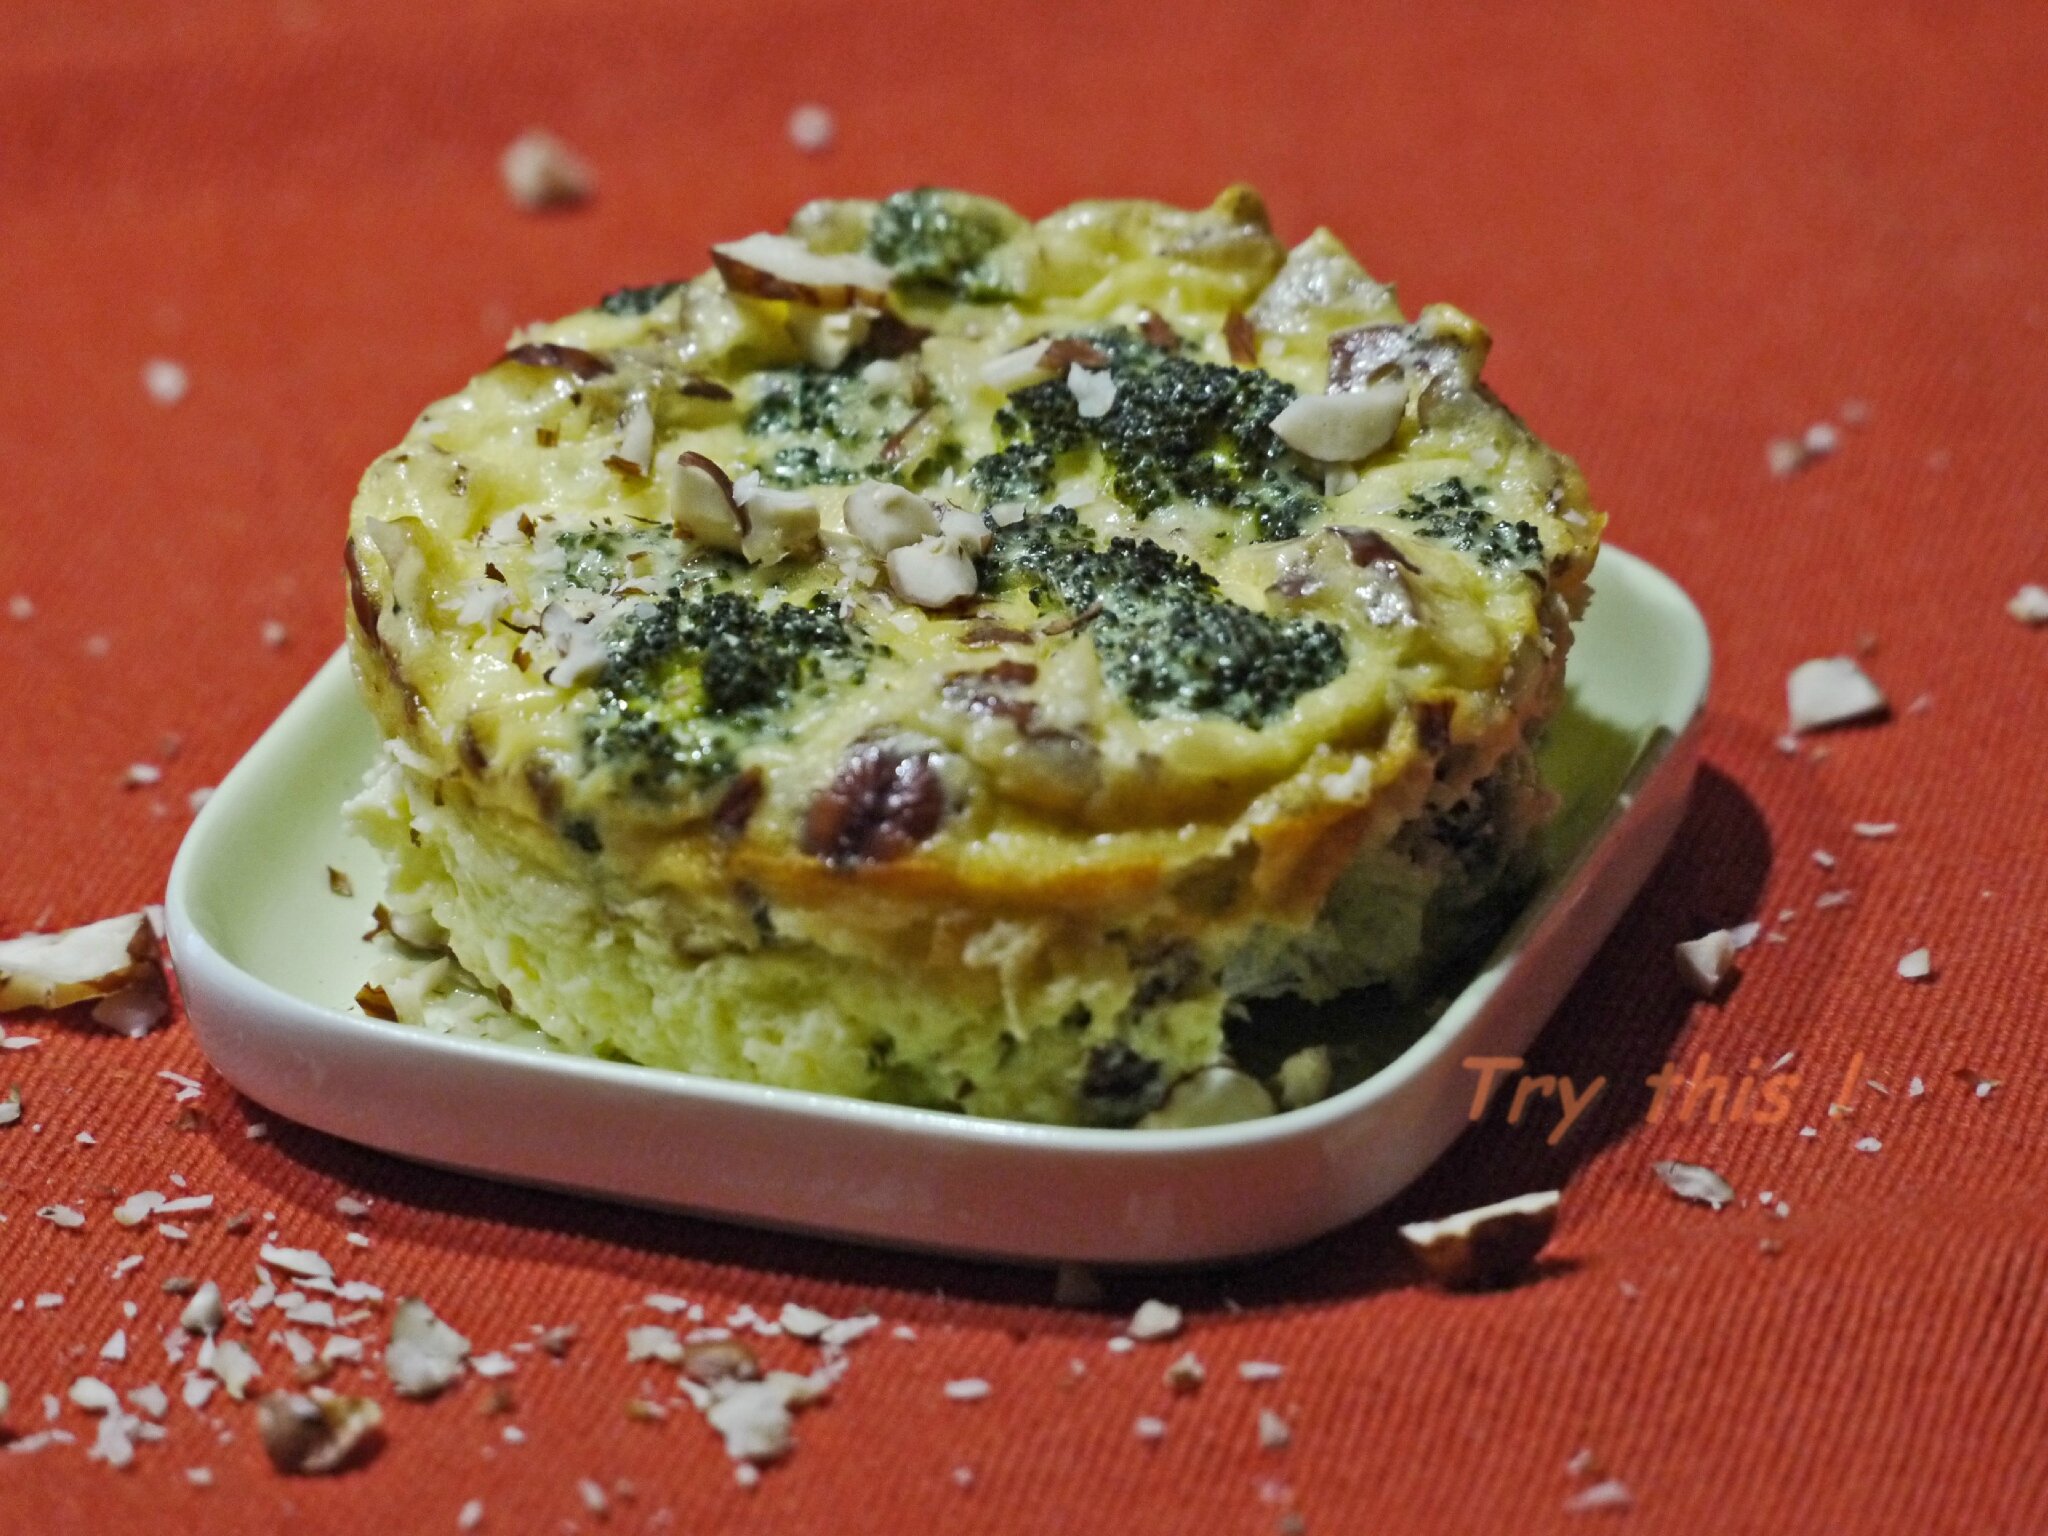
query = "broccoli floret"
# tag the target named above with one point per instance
(1450, 513)
(1226, 659)
(697, 674)
(636, 301)
(935, 238)
(1178, 430)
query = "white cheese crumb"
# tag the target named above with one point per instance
(1783, 457)
(1150, 1429)
(275, 634)
(1274, 1434)
(1875, 830)
(115, 1349)
(140, 775)
(165, 382)
(63, 1216)
(802, 1322)
(2029, 605)
(1869, 1144)
(21, 607)
(1918, 965)
(1260, 1370)
(1821, 439)
(812, 128)
(470, 1516)
(968, 1389)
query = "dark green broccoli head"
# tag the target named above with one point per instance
(932, 237)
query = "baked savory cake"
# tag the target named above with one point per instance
(963, 662)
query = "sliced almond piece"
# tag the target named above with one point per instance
(1012, 370)
(829, 337)
(1831, 690)
(1345, 427)
(700, 503)
(768, 266)
(781, 525)
(95, 960)
(886, 517)
(933, 573)
(1486, 1246)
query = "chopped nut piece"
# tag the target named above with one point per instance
(1186, 1374)
(1705, 962)
(425, 1355)
(541, 172)
(1345, 427)
(709, 1361)
(934, 573)
(96, 960)
(886, 518)
(768, 266)
(701, 504)
(1829, 691)
(1154, 1320)
(1689, 1181)
(1304, 1077)
(651, 1341)
(339, 883)
(781, 525)
(305, 1436)
(203, 1313)
(1010, 371)
(1487, 1246)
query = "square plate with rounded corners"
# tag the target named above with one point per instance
(268, 958)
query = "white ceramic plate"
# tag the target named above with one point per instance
(268, 958)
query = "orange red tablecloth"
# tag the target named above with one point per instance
(1693, 230)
